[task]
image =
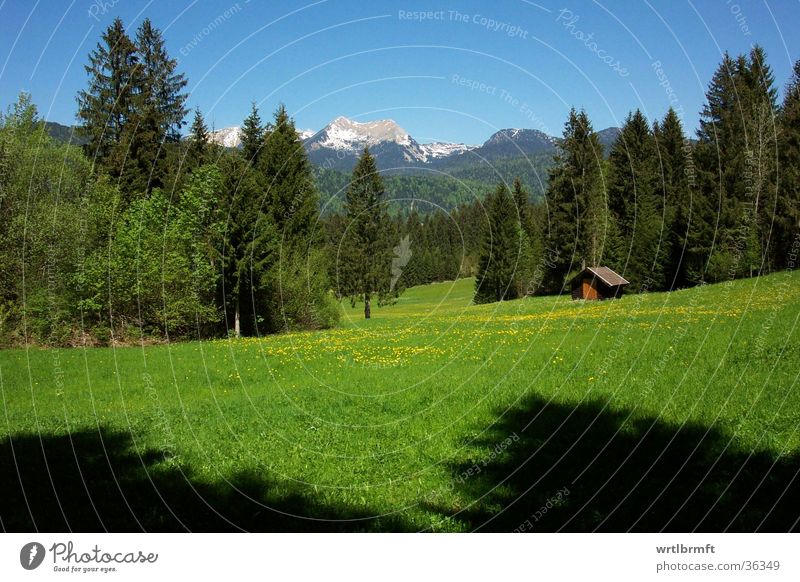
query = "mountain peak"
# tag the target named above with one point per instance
(346, 134)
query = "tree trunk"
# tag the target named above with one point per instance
(237, 321)
(366, 306)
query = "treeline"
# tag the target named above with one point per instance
(664, 211)
(143, 234)
(432, 193)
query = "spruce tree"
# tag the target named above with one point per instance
(299, 283)
(529, 242)
(253, 133)
(249, 249)
(365, 256)
(577, 220)
(162, 85)
(635, 206)
(674, 180)
(108, 103)
(292, 199)
(500, 251)
(198, 152)
(787, 212)
(736, 164)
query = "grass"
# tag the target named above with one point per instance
(663, 411)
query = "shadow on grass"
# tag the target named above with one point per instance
(586, 468)
(557, 468)
(96, 481)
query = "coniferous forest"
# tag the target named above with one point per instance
(152, 231)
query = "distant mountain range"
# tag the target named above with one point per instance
(338, 145)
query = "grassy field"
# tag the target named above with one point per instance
(664, 411)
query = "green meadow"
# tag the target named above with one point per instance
(662, 411)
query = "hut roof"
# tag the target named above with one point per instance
(606, 275)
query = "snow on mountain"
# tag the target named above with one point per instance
(345, 134)
(305, 133)
(442, 149)
(229, 137)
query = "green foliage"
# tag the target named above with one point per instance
(132, 106)
(498, 277)
(365, 248)
(253, 134)
(636, 207)
(577, 217)
(43, 185)
(157, 274)
(737, 141)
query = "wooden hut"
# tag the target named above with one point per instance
(597, 283)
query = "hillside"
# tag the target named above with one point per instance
(379, 425)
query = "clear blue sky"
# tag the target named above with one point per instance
(472, 68)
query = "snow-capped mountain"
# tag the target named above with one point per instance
(339, 144)
(442, 149)
(305, 133)
(229, 137)
(511, 143)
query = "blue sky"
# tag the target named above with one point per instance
(460, 73)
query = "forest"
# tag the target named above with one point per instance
(149, 231)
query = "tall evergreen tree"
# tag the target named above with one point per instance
(292, 199)
(787, 212)
(108, 103)
(735, 153)
(253, 133)
(366, 253)
(500, 251)
(530, 252)
(162, 85)
(634, 204)
(576, 209)
(675, 179)
(198, 152)
(299, 284)
(133, 105)
(249, 248)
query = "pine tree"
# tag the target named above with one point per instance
(249, 249)
(299, 283)
(761, 179)
(636, 208)
(529, 242)
(735, 155)
(675, 177)
(253, 133)
(198, 152)
(162, 86)
(291, 195)
(787, 212)
(132, 107)
(106, 106)
(500, 251)
(365, 257)
(576, 208)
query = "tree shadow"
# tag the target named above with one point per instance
(554, 467)
(96, 481)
